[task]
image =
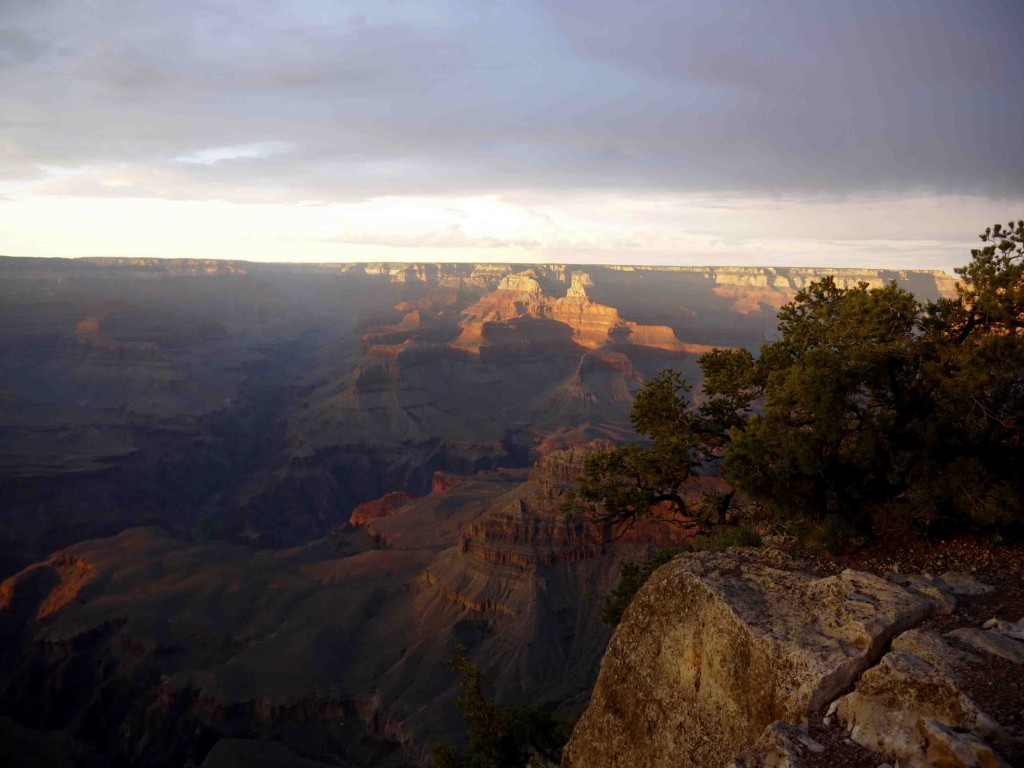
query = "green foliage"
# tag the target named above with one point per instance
(836, 386)
(634, 574)
(623, 484)
(978, 370)
(723, 538)
(499, 736)
(872, 409)
(990, 295)
(832, 533)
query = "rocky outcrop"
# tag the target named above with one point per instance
(531, 529)
(87, 325)
(441, 482)
(716, 647)
(994, 643)
(912, 703)
(518, 537)
(603, 377)
(1011, 629)
(553, 473)
(724, 658)
(47, 587)
(385, 506)
(501, 319)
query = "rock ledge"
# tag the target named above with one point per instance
(723, 657)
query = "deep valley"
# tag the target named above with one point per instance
(242, 502)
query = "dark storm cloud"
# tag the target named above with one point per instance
(363, 99)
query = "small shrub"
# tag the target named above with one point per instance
(835, 534)
(634, 574)
(499, 736)
(724, 537)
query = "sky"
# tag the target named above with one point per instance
(796, 132)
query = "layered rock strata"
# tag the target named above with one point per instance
(385, 506)
(502, 317)
(333, 648)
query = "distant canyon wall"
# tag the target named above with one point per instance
(927, 283)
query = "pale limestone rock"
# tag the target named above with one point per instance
(1013, 629)
(929, 587)
(991, 641)
(781, 745)
(914, 682)
(949, 748)
(716, 646)
(965, 584)
(578, 286)
(524, 282)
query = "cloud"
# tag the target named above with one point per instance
(548, 227)
(799, 98)
(214, 155)
(854, 131)
(450, 238)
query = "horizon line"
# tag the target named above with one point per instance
(605, 265)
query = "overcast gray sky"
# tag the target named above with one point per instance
(803, 132)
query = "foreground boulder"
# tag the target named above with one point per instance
(718, 646)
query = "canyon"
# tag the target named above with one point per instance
(246, 502)
(333, 648)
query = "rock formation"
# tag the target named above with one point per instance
(726, 657)
(442, 482)
(911, 705)
(385, 506)
(570, 319)
(335, 647)
(263, 402)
